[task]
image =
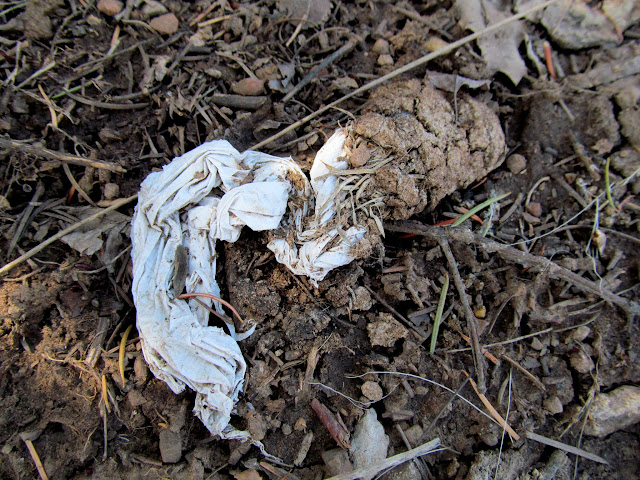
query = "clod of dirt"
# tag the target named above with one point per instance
(516, 163)
(369, 443)
(166, 24)
(386, 331)
(577, 25)
(37, 24)
(626, 162)
(629, 121)
(372, 391)
(170, 446)
(434, 149)
(553, 405)
(613, 411)
(110, 7)
(548, 127)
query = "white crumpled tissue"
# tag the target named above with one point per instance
(209, 194)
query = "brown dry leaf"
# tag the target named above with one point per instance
(499, 49)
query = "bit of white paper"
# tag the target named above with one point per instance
(209, 194)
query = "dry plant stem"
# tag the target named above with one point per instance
(312, 74)
(410, 66)
(26, 218)
(62, 157)
(525, 259)
(478, 359)
(37, 249)
(494, 413)
(212, 297)
(36, 460)
(565, 447)
(371, 470)
(527, 373)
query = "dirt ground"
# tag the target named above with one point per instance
(96, 95)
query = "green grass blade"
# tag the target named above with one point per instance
(477, 208)
(439, 310)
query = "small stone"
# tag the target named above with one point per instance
(613, 411)
(249, 87)
(386, 331)
(489, 438)
(372, 391)
(534, 208)
(536, 344)
(435, 43)
(336, 462)
(286, 429)
(166, 24)
(581, 362)
(300, 425)
(170, 446)
(110, 7)
(516, 163)
(152, 8)
(111, 191)
(580, 333)
(381, 47)
(413, 434)
(384, 60)
(553, 405)
(94, 21)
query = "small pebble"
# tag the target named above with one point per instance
(286, 429)
(152, 8)
(516, 163)
(111, 191)
(170, 446)
(580, 333)
(536, 344)
(413, 434)
(372, 391)
(166, 24)
(381, 47)
(248, 87)
(300, 425)
(581, 362)
(337, 461)
(534, 208)
(110, 7)
(384, 60)
(435, 43)
(553, 405)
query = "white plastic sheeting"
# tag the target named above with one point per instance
(209, 194)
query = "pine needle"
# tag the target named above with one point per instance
(123, 346)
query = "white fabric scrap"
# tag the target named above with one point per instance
(209, 194)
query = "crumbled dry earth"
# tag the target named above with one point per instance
(130, 85)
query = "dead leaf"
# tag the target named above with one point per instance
(499, 49)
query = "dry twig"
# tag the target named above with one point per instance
(525, 259)
(62, 157)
